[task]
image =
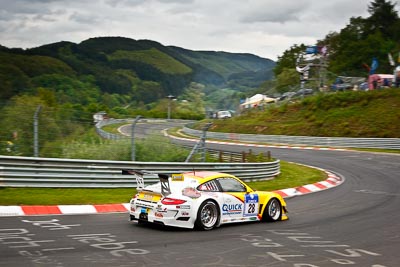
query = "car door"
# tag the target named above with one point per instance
(234, 194)
(238, 203)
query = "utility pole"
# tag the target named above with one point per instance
(200, 145)
(170, 97)
(133, 156)
(36, 132)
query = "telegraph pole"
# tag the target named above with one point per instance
(133, 156)
(200, 145)
(170, 97)
(36, 132)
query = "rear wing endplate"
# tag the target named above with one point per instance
(165, 188)
(138, 176)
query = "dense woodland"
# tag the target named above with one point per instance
(126, 77)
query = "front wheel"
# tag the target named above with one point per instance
(207, 215)
(273, 210)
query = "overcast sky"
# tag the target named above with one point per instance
(262, 27)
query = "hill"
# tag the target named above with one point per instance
(142, 70)
(235, 69)
(343, 114)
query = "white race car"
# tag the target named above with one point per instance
(202, 200)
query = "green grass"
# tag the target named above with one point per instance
(113, 128)
(292, 175)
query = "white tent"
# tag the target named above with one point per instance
(257, 100)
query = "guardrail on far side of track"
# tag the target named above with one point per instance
(55, 172)
(341, 142)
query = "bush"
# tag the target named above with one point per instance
(98, 149)
(159, 149)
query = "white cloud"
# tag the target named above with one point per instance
(262, 27)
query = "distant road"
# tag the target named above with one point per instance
(145, 129)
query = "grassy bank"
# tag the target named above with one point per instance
(292, 175)
(342, 114)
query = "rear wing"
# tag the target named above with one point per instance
(165, 188)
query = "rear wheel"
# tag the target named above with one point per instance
(207, 215)
(273, 211)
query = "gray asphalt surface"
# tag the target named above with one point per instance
(355, 224)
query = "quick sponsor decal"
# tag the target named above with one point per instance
(232, 209)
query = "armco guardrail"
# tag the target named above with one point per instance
(382, 143)
(113, 136)
(108, 135)
(53, 172)
(345, 142)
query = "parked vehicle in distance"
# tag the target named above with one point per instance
(202, 200)
(223, 114)
(341, 87)
(305, 91)
(286, 95)
(343, 83)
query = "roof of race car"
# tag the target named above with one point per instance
(203, 176)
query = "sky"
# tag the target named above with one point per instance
(262, 27)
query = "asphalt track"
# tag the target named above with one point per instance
(354, 224)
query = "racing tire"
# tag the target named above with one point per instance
(207, 216)
(273, 211)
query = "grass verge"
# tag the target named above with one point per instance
(292, 175)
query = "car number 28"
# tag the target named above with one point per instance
(251, 205)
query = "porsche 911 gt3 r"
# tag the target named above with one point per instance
(202, 200)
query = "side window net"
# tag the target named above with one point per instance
(210, 186)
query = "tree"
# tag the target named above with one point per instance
(364, 38)
(48, 96)
(148, 91)
(287, 79)
(13, 81)
(383, 18)
(17, 120)
(191, 103)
